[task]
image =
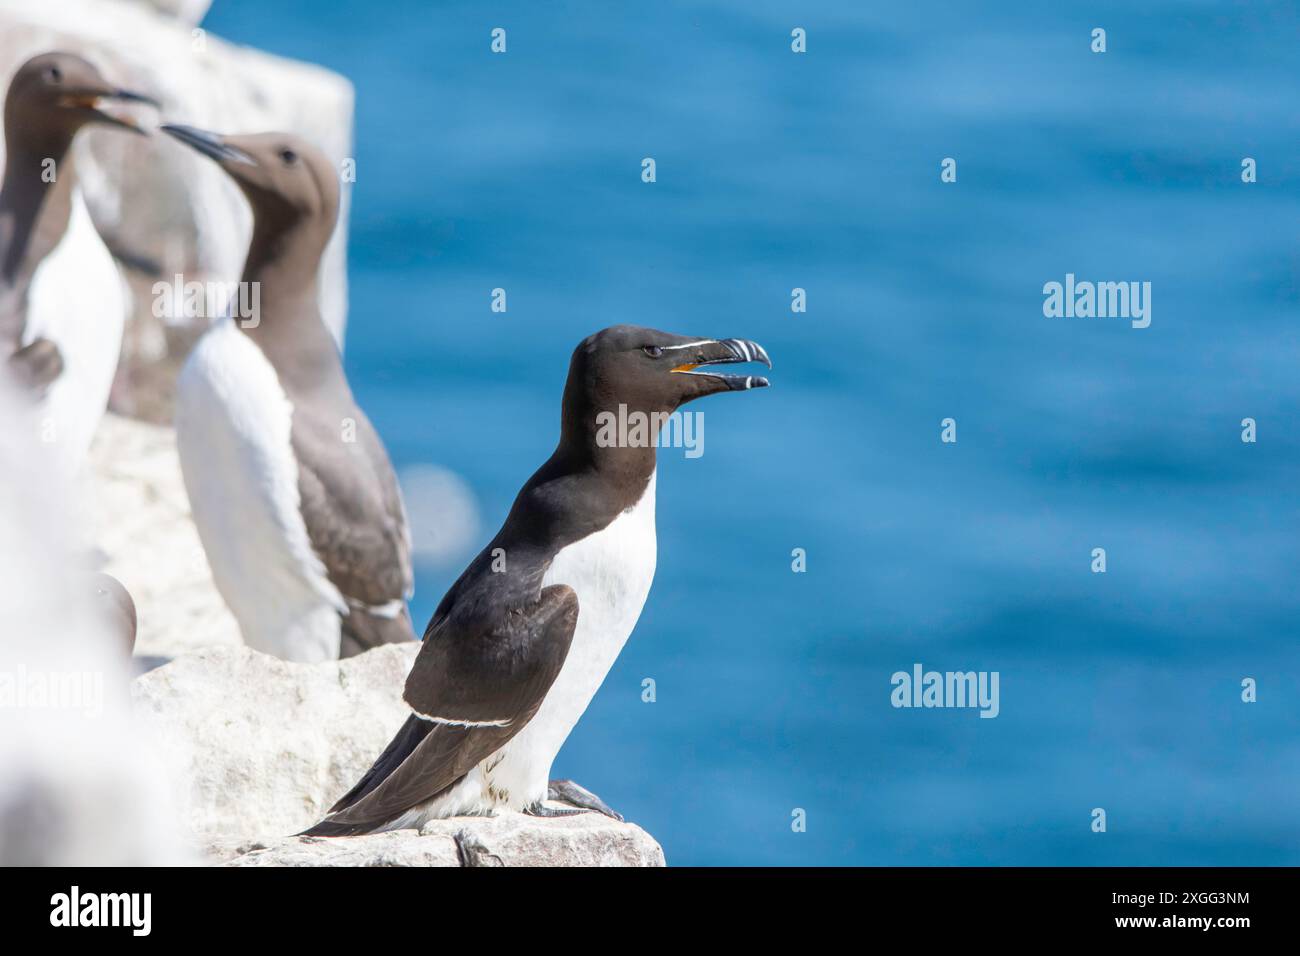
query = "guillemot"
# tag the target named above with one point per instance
(520, 644)
(293, 494)
(62, 302)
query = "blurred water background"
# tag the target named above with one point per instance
(821, 171)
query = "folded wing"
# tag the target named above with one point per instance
(471, 692)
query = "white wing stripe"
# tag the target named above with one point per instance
(453, 722)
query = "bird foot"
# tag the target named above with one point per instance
(540, 809)
(566, 791)
(473, 851)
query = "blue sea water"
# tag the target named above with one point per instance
(925, 301)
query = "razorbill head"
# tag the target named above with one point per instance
(62, 303)
(522, 641)
(293, 494)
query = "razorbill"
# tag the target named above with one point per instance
(295, 499)
(521, 642)
(62, 301)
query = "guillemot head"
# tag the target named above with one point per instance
(61, 92)
(288, 181)
(651, 371)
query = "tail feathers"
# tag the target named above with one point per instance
(407, 739)
(327, 829)
(363, 630)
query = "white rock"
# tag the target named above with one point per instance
(263, 746)
(187, 11)
(139, 519)
(398, 848)
(510, 839)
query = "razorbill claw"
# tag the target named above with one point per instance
(293, 494)
(575, 795)
(522, 641)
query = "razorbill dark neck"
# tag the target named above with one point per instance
(522, 641)
(295, 499)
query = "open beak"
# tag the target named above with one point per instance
(723, 352)
(103, 102)
(209, 144)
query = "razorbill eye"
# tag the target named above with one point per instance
(653, 351)
(54, 75)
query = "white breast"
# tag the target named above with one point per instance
(78, 301)
(233, 433)
(611, 571)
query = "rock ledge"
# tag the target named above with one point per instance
(509, 839)
(262, 747)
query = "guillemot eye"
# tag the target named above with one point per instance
(288, 156)
(653, 351)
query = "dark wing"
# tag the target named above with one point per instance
(490, 683)
(356, 523)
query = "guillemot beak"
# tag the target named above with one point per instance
(209, 144)
(101, 102)
(725, 352)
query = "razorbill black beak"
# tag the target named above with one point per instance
(209, 144)
(725, 352)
